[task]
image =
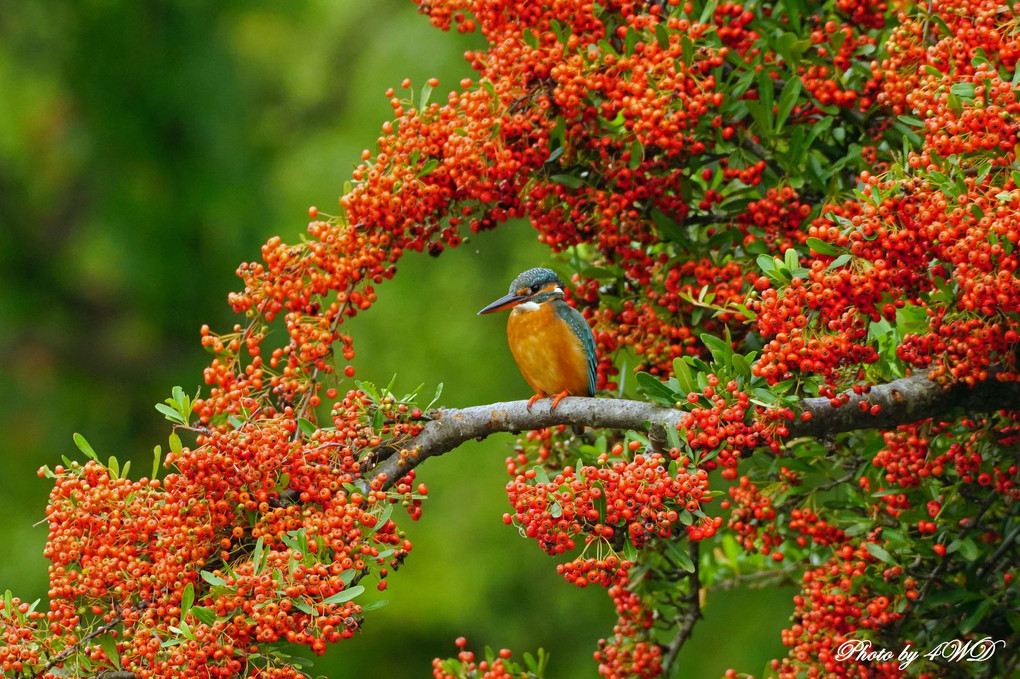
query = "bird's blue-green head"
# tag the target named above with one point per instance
(533, 286)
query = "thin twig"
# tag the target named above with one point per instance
(81, 643)
(691, 614)
(1007, 544)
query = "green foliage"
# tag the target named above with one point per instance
(178, 408)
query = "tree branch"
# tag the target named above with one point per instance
(902, 401)
(690, 616)
(449, 428)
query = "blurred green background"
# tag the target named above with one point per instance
(146, 149)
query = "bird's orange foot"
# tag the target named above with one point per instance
(557, 398)
(531, 401)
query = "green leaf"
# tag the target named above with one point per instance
(683, 375)
(838, 262)
(879, 553)
(306, 426)
(599, 273)
(964, 90)
(974, 619)
(170, 413)
(427, 168)
(383, 517)
(175, 443)
(173, 642)
(629, 41)
(790, 259)
(114, 468)
(157, 459)
(817, 128)
(487, 85)
(184, 630)
(423, 100)
(686, 50)
(762, 120)
(637, 153)
(345, 595)
(213, 579)
(680, 555)
(787, 100)
(822, 247)
(204, 614)
(84, 446)
(766, 263)
(567, 180)
(541, 476)
(954, 103)
(439, 391)
(347, 577)
(969, 549)
(374, 605)
(742, 366)
(187, 599)
(794, 10)
(109, 646)
(707, 10)
(662, 36)
(258, 555)
(562, 31)
(654, 389)
(721, 350)
(669, 229)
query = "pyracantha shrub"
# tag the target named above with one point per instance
(797, 222)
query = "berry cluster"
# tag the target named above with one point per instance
(725, 430)
(663, 146)
(941, 236)
(634, 500)
(632, 651)
(21, 632)
(777, 219)
(256, 538)
(762, 527)
(494, 666)
(833, 607)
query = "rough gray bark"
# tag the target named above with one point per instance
(902, 401)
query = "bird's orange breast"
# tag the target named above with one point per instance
(548, 353)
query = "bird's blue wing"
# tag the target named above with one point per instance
(582, 330)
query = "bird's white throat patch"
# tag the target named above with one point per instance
(526, 306)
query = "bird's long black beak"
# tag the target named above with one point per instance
(504, 302)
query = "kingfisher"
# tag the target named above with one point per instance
(551, 342)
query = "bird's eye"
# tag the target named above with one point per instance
(535, 288)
